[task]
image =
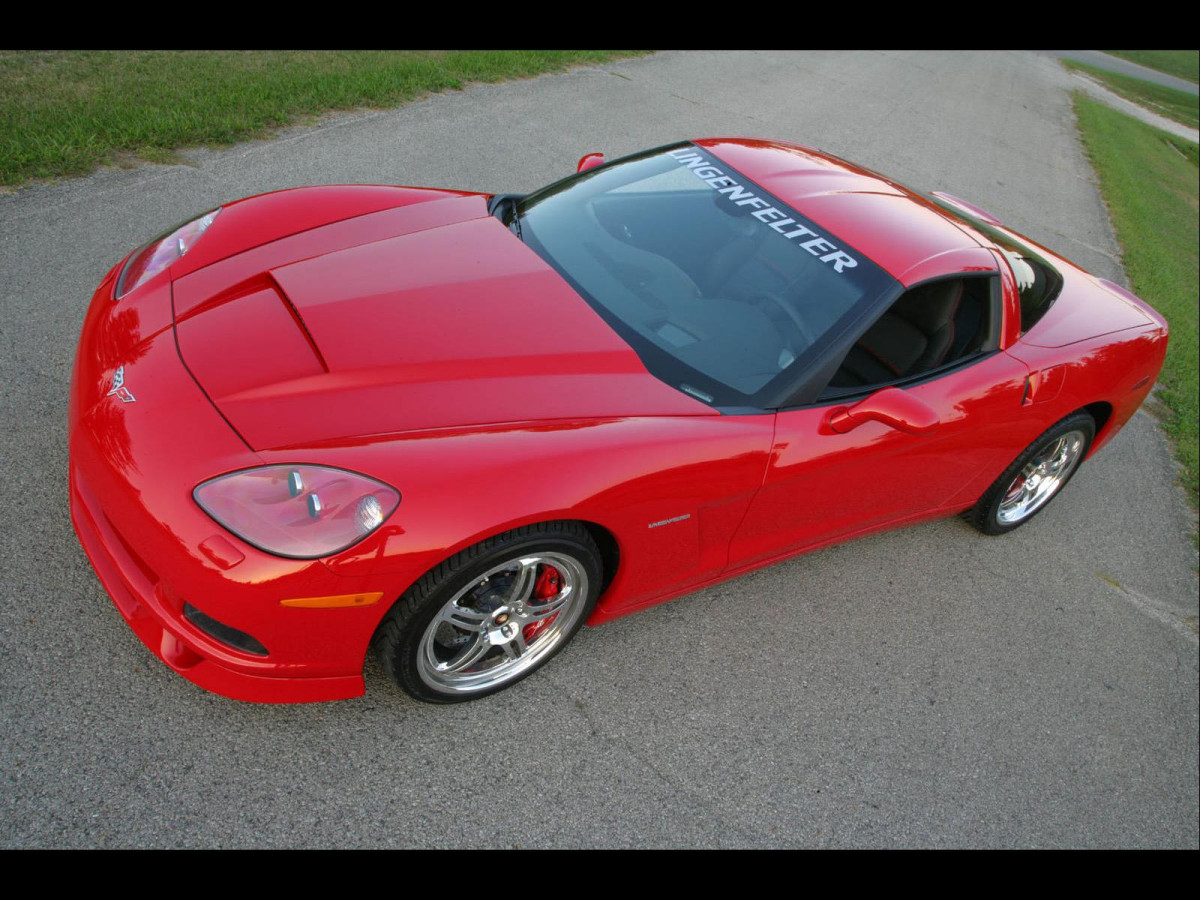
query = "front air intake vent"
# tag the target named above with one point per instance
(226, 634)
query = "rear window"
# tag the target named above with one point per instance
(1038, 282)
(721, 289)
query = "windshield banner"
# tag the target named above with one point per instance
(782, 221)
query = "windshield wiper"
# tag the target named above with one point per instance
(504, 208)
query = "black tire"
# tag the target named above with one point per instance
(400, 639)
(986, 514)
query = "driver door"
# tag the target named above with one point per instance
(823, 484)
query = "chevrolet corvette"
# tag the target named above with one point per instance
(453, 427)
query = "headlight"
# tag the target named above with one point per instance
(161, 252)
(301, 512)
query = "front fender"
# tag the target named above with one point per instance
(670, 490)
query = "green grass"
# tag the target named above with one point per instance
(64, 113)
(1183, 64)
(1150, 182)
(1176, 105)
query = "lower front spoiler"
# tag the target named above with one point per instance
(140, 606)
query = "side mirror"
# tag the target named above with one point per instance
(590, 161)
(891, 406)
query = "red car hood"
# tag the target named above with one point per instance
(458, 324)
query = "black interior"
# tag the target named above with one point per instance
(929, 326)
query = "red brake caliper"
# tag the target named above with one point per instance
(1017, 484)
(548, 584)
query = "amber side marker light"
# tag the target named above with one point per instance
(333, 602)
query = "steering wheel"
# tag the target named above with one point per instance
(801, 327)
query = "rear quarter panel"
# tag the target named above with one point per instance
(1118, 369)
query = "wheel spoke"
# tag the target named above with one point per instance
(1064, 457)
(515, 648)
(549, 608)
(1051, 457)
(522, 587)
(465, 618)
(468, 657)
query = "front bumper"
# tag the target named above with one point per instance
(148, 609)
(133, 465)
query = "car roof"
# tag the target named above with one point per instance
(898, 229)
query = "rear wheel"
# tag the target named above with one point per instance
(1035, 477)
(492, 614)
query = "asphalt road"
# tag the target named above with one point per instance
(928, 687)
(1125, 67)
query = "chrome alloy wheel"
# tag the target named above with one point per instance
(1042, 477)
(502, 623)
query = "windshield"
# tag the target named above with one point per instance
(721, 289)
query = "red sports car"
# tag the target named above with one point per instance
(455, 426)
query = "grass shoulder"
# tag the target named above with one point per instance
(1179, 106)
(1149, 180)
(67, 112)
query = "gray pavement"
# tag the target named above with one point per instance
(1098, 91)
(928, 687)
(1124, 67)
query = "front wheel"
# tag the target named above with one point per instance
(1035, 477)
(492, 614)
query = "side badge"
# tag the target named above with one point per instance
(670, 521)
